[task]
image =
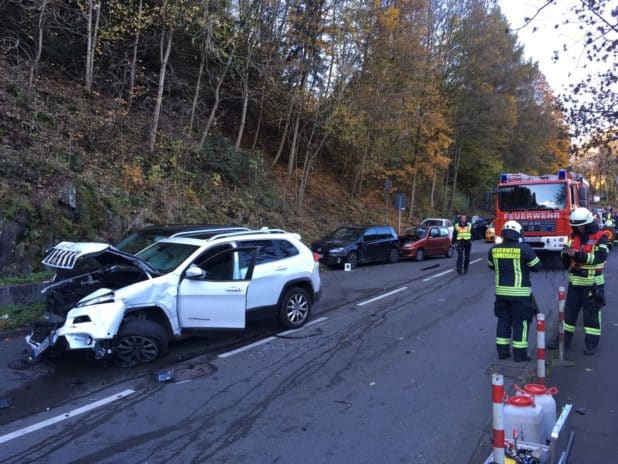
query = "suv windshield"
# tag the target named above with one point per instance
(166, 257)
(532, 197)
(139, 240)
(432, 222)
(345, 233)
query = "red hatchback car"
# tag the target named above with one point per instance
(421, 241)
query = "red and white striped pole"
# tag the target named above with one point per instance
(561, 304)
(497, 398)
(540, 347)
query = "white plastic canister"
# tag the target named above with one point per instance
(544, 397)
(525, 416)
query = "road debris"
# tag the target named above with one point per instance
(166, 375)
(4, 403)
(581, 411)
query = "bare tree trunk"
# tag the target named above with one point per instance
(433, 189)
(259, 120)
(285, 132)
(91, 44)
(165, 55)
(245, 103)
(39, 49)
(215, 106)
(196, 94)
(412, 197)
(455, 175)
(293, 147)
(134, 59)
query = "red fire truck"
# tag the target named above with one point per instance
(542, 205)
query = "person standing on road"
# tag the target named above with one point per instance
(585, 255)
(462, 238)
(512, 261)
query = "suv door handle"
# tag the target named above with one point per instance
(280, 268)
(233, 289)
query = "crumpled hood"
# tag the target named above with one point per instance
(68, 255)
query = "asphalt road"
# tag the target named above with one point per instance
(404, 378)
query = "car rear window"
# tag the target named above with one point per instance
(287, 249)
(269, 250)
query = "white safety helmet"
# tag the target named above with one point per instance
(512, 225)
(580, 217)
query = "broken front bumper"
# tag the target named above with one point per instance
(89, 327)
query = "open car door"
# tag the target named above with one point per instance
(213, 292)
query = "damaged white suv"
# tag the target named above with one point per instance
(112, 302)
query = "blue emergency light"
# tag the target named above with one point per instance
(504, 177)
(562, 174)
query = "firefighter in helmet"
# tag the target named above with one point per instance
(585, 255)
(512, 260)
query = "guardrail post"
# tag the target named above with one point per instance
(497, 397)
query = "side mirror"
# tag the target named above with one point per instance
(195, 272)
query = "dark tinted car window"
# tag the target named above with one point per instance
(385, 233)
(433, 232)
(443, 232)
(286, 248)
(371, 235)
(344, 234)
(137, 241)
(269, 250)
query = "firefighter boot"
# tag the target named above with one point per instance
(568, 336)
(504, 352)
(521, 355)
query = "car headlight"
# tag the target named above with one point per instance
(336, 250)
(106, 298)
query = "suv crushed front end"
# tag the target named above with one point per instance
(81, 308)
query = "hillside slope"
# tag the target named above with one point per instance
(73, 167)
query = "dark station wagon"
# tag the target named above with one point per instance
(358, 244)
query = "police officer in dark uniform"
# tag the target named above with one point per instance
(585, 255)
(512, 261)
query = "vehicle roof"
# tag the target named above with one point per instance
(170, 229)
(239, 235)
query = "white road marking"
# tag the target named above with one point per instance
(269, 339)
(363, 303)
(426, 279)
(65, 416)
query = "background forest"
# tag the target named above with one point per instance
(287, 113)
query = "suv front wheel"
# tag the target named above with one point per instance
(140, 341)
(295, 308)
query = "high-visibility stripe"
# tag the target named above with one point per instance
(592, 331)
(578, 281)
(503, 341)
(534, 262)
(503, 290)
(569, 328)
(517, 272)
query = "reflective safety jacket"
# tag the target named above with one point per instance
(586, 267)
(512, 262)
(463, 232)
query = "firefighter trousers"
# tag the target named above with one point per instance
(590, 300)
(513, 321)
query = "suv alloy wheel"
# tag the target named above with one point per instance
(295, 308)
(140, 341)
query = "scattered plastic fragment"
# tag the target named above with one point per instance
(588, 369)
(4, 316)
(166, 375)
(581, 411)
(371, 384)
(4, 403)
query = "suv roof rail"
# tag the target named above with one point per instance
(263, 230)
